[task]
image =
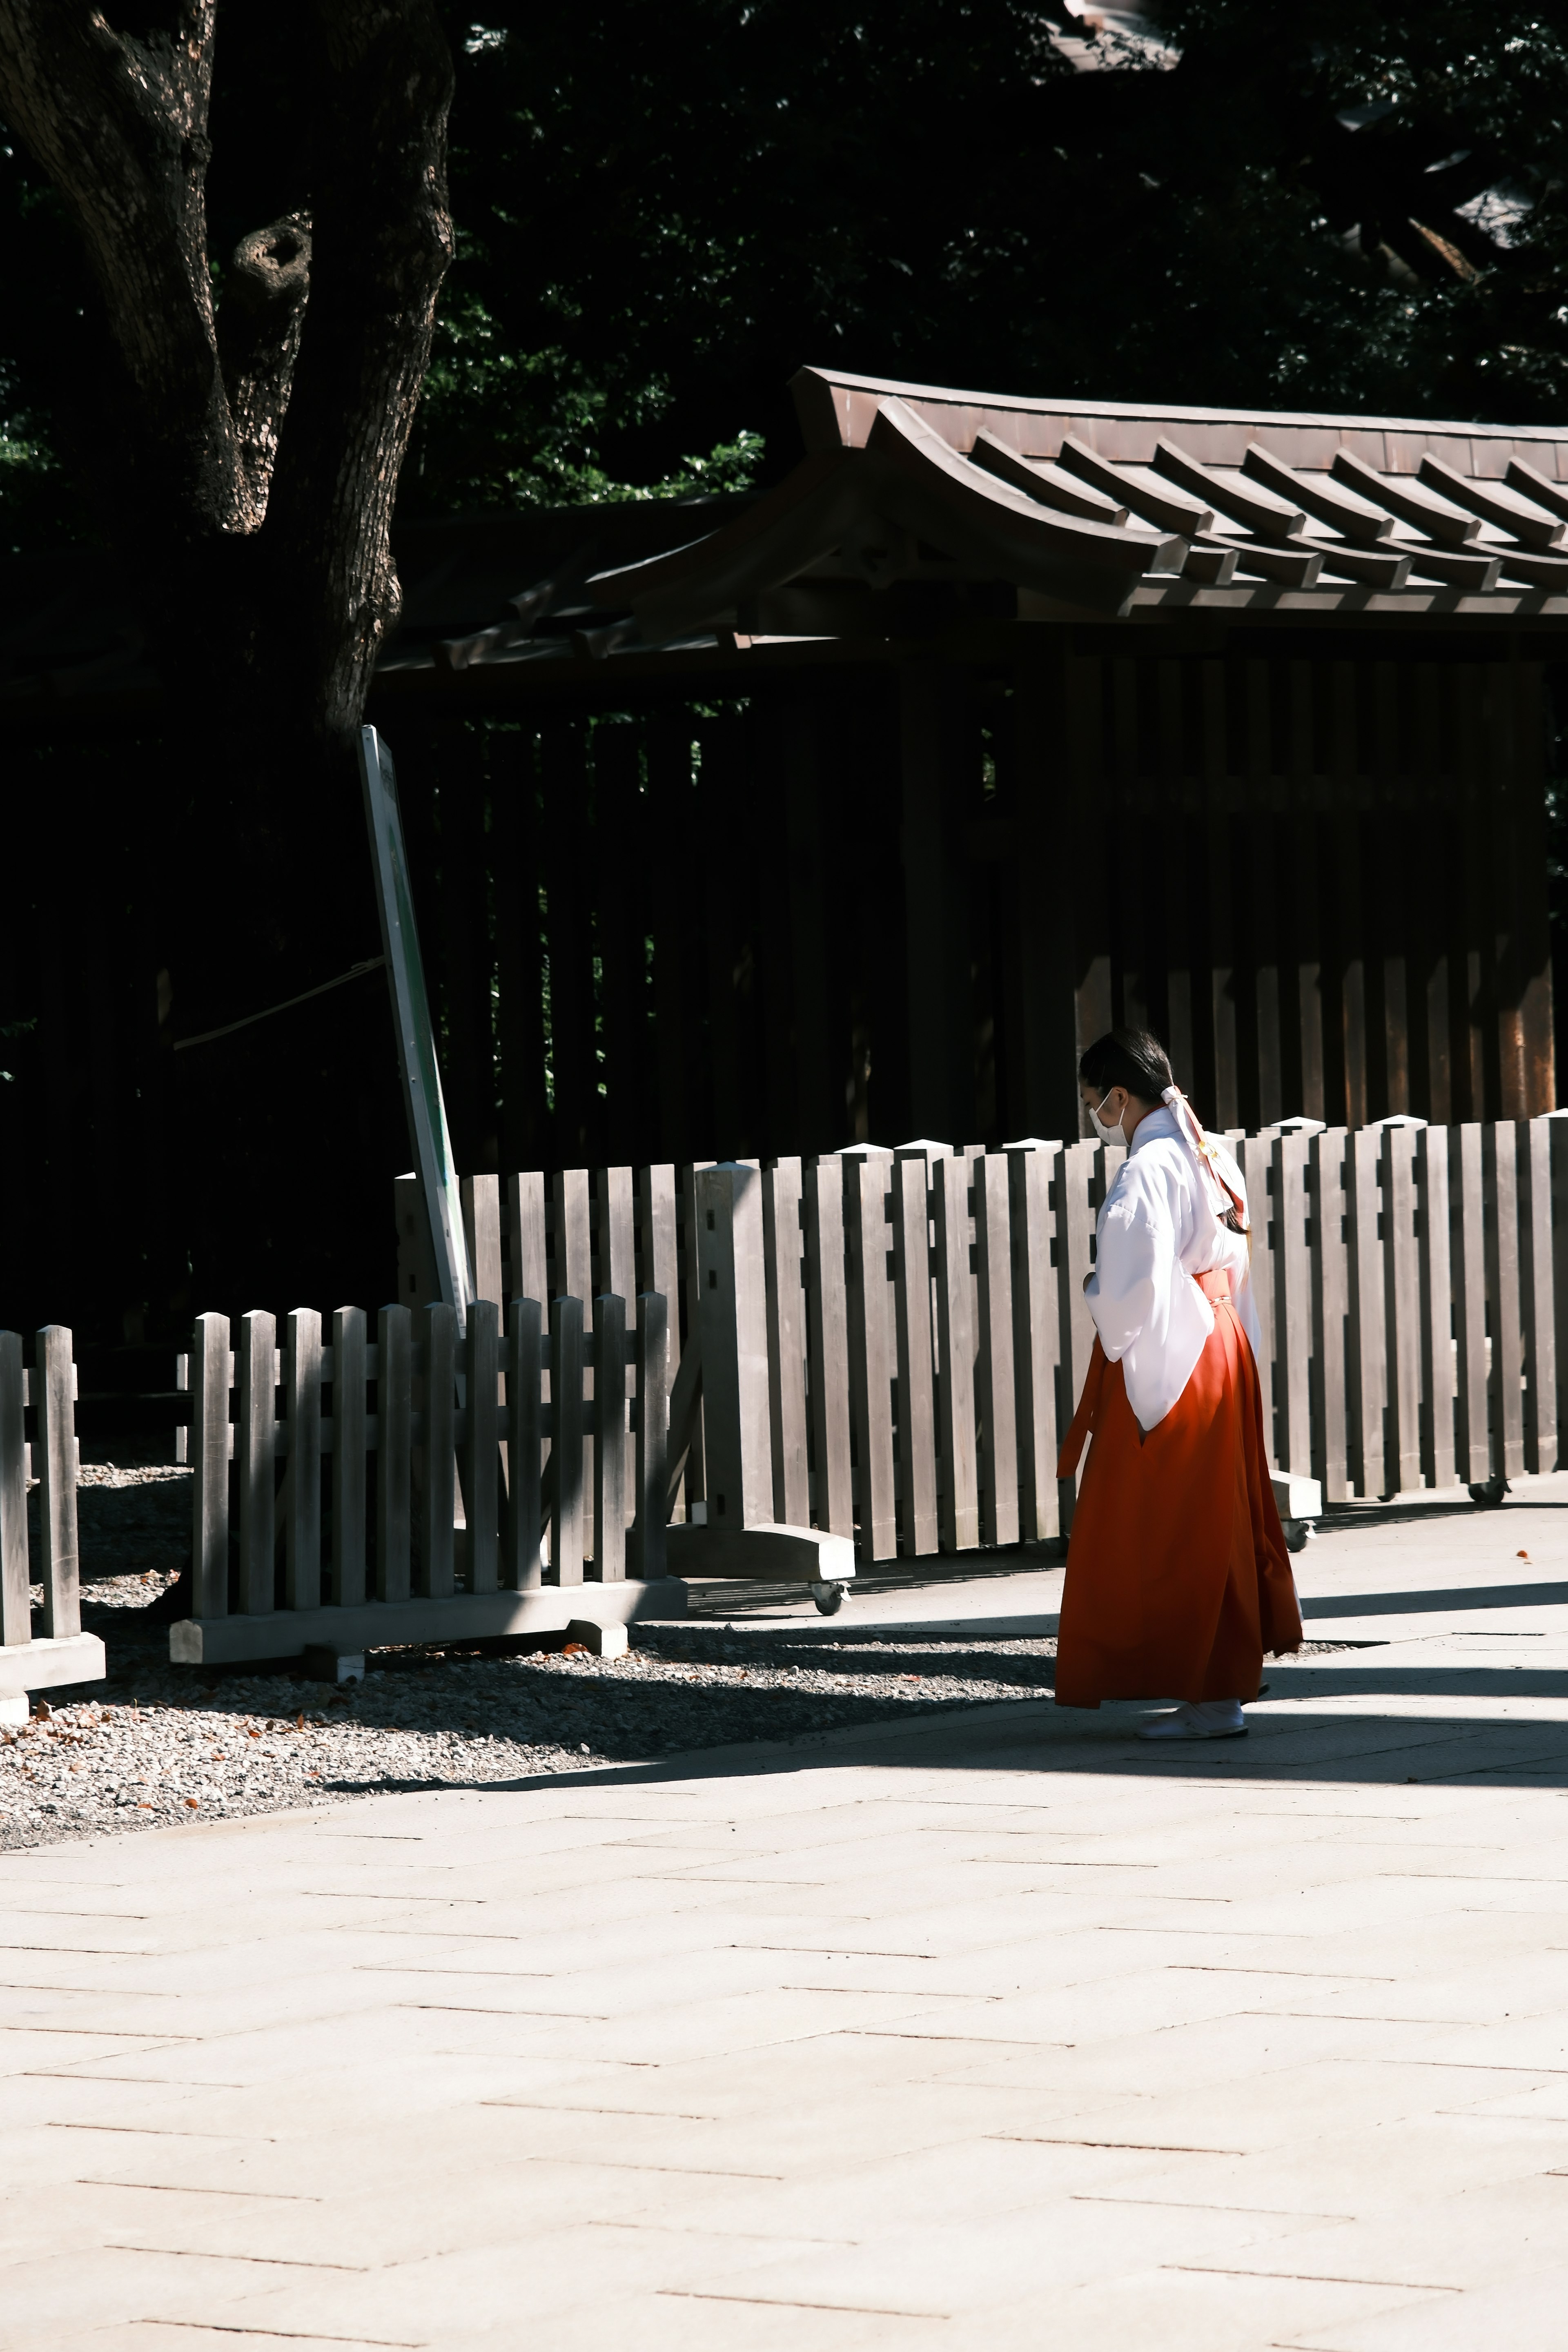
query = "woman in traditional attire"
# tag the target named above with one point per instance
(1178, 1579)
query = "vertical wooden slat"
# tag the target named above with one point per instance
(437, 1498)
(787, 1342)
(994, 1361)
(615, 1209)
(1500, 1181)
(573, 1278)
(567, 1518)
(1366, 1364)
(182, 1388)
(870, 1371)
(348, 1437)
(481, 1228)
(527, 1236)
(649, 1556)
(212, 1374)
(1436, 1308)
(302, 1394)
(828, 1312)
(1402, 1291)
(912, 1331)
(481, 1449)
(1467, 1228)
(394, 1451)
(661, 1265)
(610, 1450)
(1558, 1130)
(15, 1588)
(523, 1569)
(1292, 1267)
(1328, 1248)
(1036, 1336)
(1535, 1290)
(696, 1476)
(255, 1450)
(1075, 1257)
(1255, 1156)
(54, 1463)
(960, 1516)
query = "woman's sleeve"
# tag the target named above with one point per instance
(1130, 1289)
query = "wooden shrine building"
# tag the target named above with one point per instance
(995, 722)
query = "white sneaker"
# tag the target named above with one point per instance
(1202, 1719)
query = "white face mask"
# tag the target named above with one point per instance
(1111, 1129)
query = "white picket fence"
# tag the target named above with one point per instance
(62, 1653)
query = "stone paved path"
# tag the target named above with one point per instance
(986, 2031)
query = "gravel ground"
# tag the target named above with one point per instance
(157, 1744)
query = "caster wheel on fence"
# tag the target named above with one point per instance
(1488, 1496)
(829, 1598)
(1298, 1533)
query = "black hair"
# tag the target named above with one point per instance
(1133, 1058)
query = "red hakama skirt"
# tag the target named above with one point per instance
(1178, 1579)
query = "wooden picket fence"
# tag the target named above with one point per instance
(63, 1652)
(926, 1338)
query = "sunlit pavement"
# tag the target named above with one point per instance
(993, 2028)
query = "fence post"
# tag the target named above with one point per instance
(956, 1341)
(653, 1437)
(1558, 1126)
(993, 1355)
(525, 1378)
(917, 1393)
(394, 1451)
(1292, 1306)
(481, 1444)
(735, 1333)
(303, 1390)
(16, 1585)
(349, 1445)
(437, 1498)
(212, 1377)
(870, 1373)
(256, 1449)
(566, 1383)
(786, 1343)
(54, 1388)
(1254, 1157)
(1535, 1284)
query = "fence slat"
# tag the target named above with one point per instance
(254, 1448)
(349, 1442)
(828, 1312)
(1500, 1175)
(870, 1372)
(1367, 1354)
(1076, 1172)
(523, 1570)
(16, 1585)
(211, 1376)
(302, 1392)
(1255, 1156)
(53, 1392)
(913, 1342)
(960, 1513)
(438, 1493)
(1292, 1266)
(1467, 1228)
(1535, 1291)
(786, 1343)
(394, 1452)
(1436, 1309)
(573, 1272)
(1558, 1126)
(612, 1434)
(1402, 1293)
(566, 1522)
(993, 1355)
(481, 1227)
(653, 1436)
(481, 1444)
(1330, 1252)
(1036, 1336)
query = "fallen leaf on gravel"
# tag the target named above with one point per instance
(192, 1802)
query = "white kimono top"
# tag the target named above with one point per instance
(1160, 1227)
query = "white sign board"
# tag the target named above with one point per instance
(415, 1037)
